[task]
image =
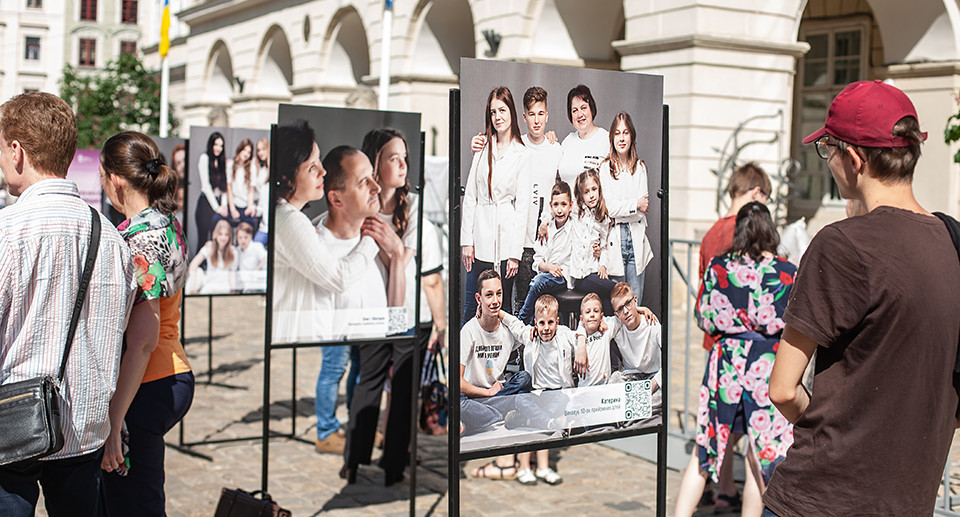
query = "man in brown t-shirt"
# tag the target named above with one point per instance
(877, 297)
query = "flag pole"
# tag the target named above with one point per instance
(164, 47)
(385, 53)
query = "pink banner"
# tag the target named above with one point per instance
(85, 172)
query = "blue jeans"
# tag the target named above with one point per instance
(478, 414)
(332, 368)
(630, 275)
(592, 283)
(543, 283)
(261, 237)
(71, 486)
(768, 512)
(470, 289)
(156, 408)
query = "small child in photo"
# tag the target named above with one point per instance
(595, 342)
(551, 259)
(251, 260)
(588, 257)
(221, 258)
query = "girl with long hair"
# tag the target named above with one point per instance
(262, 164)
(212, 169)
(242, 176)
(624, 178)
(155, 385)
(221, 257)
(496, 199)
(591, 226)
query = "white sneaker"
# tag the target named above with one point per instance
(549, 475)
(526, 477)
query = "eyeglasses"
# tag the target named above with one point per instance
(823, 146)
(623, 308)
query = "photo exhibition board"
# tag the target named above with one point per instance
(528, 380)
(330, 281)
(227, 196)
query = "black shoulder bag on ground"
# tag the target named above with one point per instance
(30, 410)
(953, 227)
(239, 503)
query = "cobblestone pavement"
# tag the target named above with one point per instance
(597, 479)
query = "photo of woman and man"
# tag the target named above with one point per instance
(346, 224)
(227, 223)
(561, 295)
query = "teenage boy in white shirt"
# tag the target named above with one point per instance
(552, 258)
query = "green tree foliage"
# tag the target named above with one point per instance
(123, 96)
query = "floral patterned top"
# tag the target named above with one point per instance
(159, 253)
(741, 303)
(160, 262)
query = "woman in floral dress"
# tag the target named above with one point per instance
(155, 384)
(742, 300)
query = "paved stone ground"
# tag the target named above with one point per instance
(597, 479)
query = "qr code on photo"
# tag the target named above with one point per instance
(637, 403)
(396, 320)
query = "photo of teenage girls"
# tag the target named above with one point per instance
(242, 177)
(496, 201)
(221, 259)
(155, 386)
(587, 145)
(623, 177)
(212, 169)
(387, 151)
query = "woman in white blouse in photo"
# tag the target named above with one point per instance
(624, 180)
(495, 204)
(301, 264)
(587, 145)
(241, 183)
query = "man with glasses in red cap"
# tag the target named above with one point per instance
(876, 296)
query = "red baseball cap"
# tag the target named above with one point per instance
(864, 113)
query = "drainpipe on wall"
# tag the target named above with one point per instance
(385, 53)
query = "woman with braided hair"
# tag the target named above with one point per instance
(155, 385)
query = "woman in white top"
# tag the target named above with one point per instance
(241, 177)
(625, 189)
(301, 264)
(212, 170)
(586, 146)
(495, 204)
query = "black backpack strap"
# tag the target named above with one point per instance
(92, 249)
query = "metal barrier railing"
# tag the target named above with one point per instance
(688, 274)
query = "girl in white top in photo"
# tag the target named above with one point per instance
(624, 180)
(212, 202)
(221, 258)
(496, 202)
(302, 267)
(262, 186)
(586, 146)
(241, 176)
(588, 257)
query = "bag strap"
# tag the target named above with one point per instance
(441, 365)
(92, 249)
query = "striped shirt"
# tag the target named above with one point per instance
(43, 245)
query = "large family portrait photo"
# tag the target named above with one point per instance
(560, 251)
(226, 226)
(346, 228)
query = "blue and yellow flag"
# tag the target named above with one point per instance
(165, 30)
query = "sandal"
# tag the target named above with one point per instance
(500, 473)
(526, 477)
(549, 475)
(728, 503)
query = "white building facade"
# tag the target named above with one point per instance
(31, 46)
(744, 79)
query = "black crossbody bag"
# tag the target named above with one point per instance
(953, 227)
(30, 410)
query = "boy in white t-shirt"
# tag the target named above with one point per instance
(552, 258)
(594, 342)
(251, 260)
(485, 347)
(637, 334)
(548, 356)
